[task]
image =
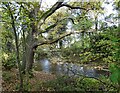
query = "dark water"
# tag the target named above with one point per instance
(67, 69)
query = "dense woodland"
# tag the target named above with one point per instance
(66, 32)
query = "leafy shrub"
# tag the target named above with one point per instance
(41, 53)
(26, 87)
(73, 51)
(66, 83)
(6, 76)
(9, 61)
(115, 74)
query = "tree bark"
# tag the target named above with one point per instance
(23, 63)
(30, 59)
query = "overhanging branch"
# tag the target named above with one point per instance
(55, 24)
(73, 7)
(55, 7)
(36, 44)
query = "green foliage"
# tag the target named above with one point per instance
(26, 87)
(7, 76)
(115, 66)
(41, 53)
(73, 51)
(101, 47)
(83, 84)
(84, 24)
(115, 74)
(8, 61)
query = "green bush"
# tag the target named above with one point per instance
(7, 76)
(9, 61)
(41, 53)
(66, 83)
(73, 51)
(26, 87)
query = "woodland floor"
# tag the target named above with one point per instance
(10, 80)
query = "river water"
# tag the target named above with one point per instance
(67, 69)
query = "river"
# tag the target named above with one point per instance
(67, 69)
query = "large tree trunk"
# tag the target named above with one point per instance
(30, 59)
(30, 52)
(30, 40)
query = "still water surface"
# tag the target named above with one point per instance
(67, 69)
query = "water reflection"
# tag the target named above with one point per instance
(66, 68)
(45, 65)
